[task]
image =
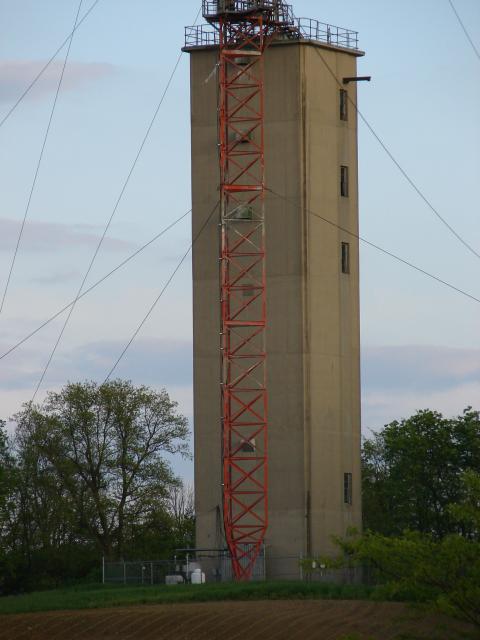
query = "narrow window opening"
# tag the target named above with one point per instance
(344, 181)
(345, 257)
(347, 488)
(343, 104)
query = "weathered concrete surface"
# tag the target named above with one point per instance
(313, 308)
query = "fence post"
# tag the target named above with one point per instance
(187, 564)
(151, 573)
(301, 567)
(103, 569)
(124, 572)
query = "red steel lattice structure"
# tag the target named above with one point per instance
(242, 30)
(243, 290)
(245, 29)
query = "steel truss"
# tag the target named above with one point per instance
(243, 41)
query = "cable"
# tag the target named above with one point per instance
(477, 52)
(157, 299)
(150, 242)
(94, 286)
(399, 166)
(109, 222)
(45, 138)
(45, 67)
(378, 248)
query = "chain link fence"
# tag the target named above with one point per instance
(217, 567)
(141, 572)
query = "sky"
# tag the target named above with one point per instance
(420, 340)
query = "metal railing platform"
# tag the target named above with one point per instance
(205, 35)
(213, 9)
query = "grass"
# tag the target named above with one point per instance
(100, 596)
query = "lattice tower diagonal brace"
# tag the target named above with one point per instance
(243, 288)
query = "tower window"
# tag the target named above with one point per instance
(344, 181)
(343, 104)
(347, 488)
(345, 257)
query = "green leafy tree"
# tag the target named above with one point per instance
(168, 529)
(442, 573)
(181, 508)
(44, 544)
(412, 471)
(5, 492)
(4, 465)
(104, 447)
(467, 510)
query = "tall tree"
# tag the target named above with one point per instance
(165, 530)
(39, 536)
(6, 480)
(4, 464)
(412, 472)
(105, 446)
(181, 507)
(443, 573)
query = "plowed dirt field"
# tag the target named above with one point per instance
(265, 620)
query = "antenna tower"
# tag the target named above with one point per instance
(245, 29)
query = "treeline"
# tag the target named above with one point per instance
(421, 507)
(413, 470)
(86, 475)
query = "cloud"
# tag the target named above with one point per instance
(419, 368)
(155, 363)
(45, 236)
(380, 408)
(398, 381)
(16, 75)
(59, 277)
(158, 363)
(18, 372)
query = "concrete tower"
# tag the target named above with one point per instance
(313, 343)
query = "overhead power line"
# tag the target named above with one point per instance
(26, 338)
(45, 67)
(175, 222)
(379, 248)
(109, 222)
(39, 162)
(464, 28)
(170, 226)
(347, 231)
(94, 286)
(410, 181)
(158, 298)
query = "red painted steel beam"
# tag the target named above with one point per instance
(243, 285)
(244, 29)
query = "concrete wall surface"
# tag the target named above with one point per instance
(313, 344)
